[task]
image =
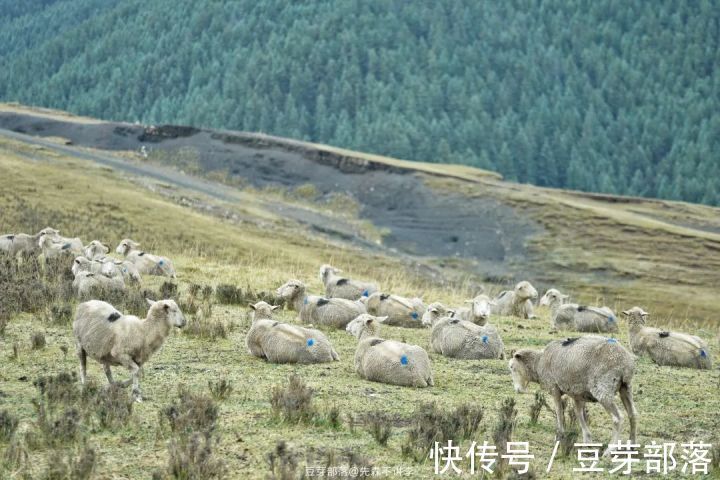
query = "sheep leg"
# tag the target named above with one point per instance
(580, 414)
(626, 396)
(134, 368)
(108, 373)
(82, 356)
(559, 413)
(611, 408)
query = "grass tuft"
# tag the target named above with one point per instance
(293, 403)
(221, 389)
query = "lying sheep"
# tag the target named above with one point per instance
(434, 312)
(52, 248)
(388, 361)
(86, 284)
(109, 267)
(146, 263)
(284, 343)
(114, 339)
(666, 348)
(341, 287)
(479, 312)
(14, 244)
(516, 303)
(335, 312)
(95, 250)
(590, 368)
(581, 318)
(455, 338)
(400, 311)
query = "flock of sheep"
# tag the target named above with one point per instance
(587, 368)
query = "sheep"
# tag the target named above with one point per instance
(335, 312)
(479, 312)
(388, 361)
(434, 312)
(53, 248)
(455, 338)
(516, 302)
(590, 368)
(146, 263)
(400, 311)
(109, 267)
(114, 339)
(666, 348)
(581, 318)
(87, 284)
(95, 250)
(22, 242)
(284, 343)
(341, 287)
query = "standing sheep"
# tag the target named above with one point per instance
(341, 287)
(114, 339)
(517, 302)
(400, 311)
(587, 369)
(388, 361)
(455, 338)
(335, 312)
(146, 263)
(581, 318)
(24, 243)
(479, 312)
(52, 248)
(284, 343)
(666, 348)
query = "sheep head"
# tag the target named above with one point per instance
(481, 306)
(125, 246)
(365, 325)
(263, 310)
(552, 297)
(167, 310)
(525, 291)
(522, 369)
(636, 316)
(96, 248)
(80, 264)
(433, 313)
(291, 289)
(327, 270)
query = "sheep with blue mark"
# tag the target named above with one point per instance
(580, 318)
(434, 312)
(317, 310)
(88, 284)
(388, 361)
(279, 342)
(15, 243)
(456, 338)
(54, 246)
(400, 311)
(587, 369)
(108, 267)
(146, 263)
(516, 302)
(479, 311)
(665, 347)
(343, 287)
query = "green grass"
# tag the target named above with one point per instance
(674, 404)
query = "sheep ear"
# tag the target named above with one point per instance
(382, 319)
(626, 313)
(77, 261)
(150, 302)
(493, 303)
(274, 307)
(251, 306)
(468, 301)
(368, 321)
(512, 352)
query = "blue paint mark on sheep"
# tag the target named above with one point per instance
(310, 342)
(366, 293)
(414, 315)
(305, 301)
(611, 340)
(66, 246)
(404, 360)
(611, 318)
(161, 262)
(484, 338)
(703, 354)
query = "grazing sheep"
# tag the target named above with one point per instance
(52, 248)
(388, 361)
(400, 311)
(581, 318)
(22, 242)
(516, 303)
(335, 312)
(341, 287)
(87, 284)
(284, 343)
(434, 312)
(114, 339)
(478, 313)
(95, 250)
(109, 267)
(146, 263)
(587, 369)
(666, 348)
(455, 338)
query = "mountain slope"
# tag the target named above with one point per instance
(586, 95)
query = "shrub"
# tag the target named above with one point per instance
(56, 430)
(380, 427)
(71, 466)
(60, 313)
(111, 406)
(192, 457)
(537, 406)
(221, 389)
(283, 463)
(168, 290)
(334, 417)
(191, 412)
(504, 427)
(8, 425)
(229, 294)
(294, 402)
(37, 340)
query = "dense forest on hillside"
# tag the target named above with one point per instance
(617, 97)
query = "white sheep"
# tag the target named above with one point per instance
(109, 267)
(341, 287)
(14, 244)
(114, 339)
(400, 311)
(335, 312)
(86, 284)
(279, 342)
(479, 311)
(517, 302)
(95, 250)
(146, 263)
(455, 338)
(581, 318)
(434, 312)
(587, 369)
(388, 361)
(52, 248)
(665, 347)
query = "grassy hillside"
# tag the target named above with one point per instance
(211, 247)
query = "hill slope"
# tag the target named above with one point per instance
(586, 95)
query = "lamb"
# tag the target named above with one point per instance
(666, 348)
(479, 312)
(434, 312)
(54, 247)
(581, 318)
(388, 361)
(24, 243)
(455, 338)
(284, 343)
(146, 263)
(516, 302)
(114, 339)
(95, 250)
(335, 312)
(400, 311)
(87, 284)
(590, 368)
(341, 287)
